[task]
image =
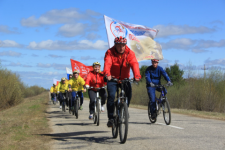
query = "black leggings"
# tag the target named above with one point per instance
(92, 95)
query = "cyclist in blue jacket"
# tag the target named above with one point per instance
(153, 76)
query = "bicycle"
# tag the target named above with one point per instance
(121, 114)
(63, 103)
(97, 105)
(162, 105)
(76, 105)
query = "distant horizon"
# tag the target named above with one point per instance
(40, 37)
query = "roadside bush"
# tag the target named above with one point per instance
(196, 93)
(13, 90)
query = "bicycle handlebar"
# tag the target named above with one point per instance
(122, 81)
(98, 88)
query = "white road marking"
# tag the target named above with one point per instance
(170, 125)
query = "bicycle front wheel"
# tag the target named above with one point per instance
(76, 108)
(166, 112)
(149, 114)
(63, 106)
(98, 112)
(115, 124)
(123, 127)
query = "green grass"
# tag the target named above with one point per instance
(194, 113)
(22, 126)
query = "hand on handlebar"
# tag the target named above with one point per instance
(137, 80)
(152, 84)
(109, 77)
(169, 83)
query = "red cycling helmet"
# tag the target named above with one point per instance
(120, 40)
(155, 60)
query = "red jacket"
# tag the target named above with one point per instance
(120, 67)
(95, 79)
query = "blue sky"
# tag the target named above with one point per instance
(38, 38)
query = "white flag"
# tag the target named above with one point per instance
(139, 38)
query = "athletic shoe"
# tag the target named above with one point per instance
(110, 123)
(90, 116)
(67, 108)
(102, 108)
(60, 107)
(81, 107)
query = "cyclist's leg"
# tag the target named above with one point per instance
(103, 95)
(111, 88)
(81, 97)
(73, 97)
(128, 91)
(52, 96)
(151, 94)
(60, 99)
(70, 99)
(67, 102)
(92, 96)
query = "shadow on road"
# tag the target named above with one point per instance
(72, 135)
(139, 123)
(79, 124)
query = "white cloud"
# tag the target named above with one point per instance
(170, 30)
(56, 16)
(13, 64)
(7, 30)
(199, 50)
(92, 36)
(10, 53)
(9, 43)
(71, 30)
(86, 58)
(220, 62)
(182, 43)
(54, 65)
(210, 43)
(55, 56)
(73, 45)
(197, 46)
(217, 22)
(34, 55)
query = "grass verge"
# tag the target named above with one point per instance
(195, 113)
(21, 126)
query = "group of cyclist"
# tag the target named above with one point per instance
(117, 64)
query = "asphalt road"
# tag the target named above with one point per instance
(185, 132)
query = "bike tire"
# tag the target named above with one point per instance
(149, 115)
(77, 107)
(95, 115)
(166, 112)
(115, 125)
(74, 107)
(98, 113)
(123, 120)
(63, 107)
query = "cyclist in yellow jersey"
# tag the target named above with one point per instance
(70, 92)
(61, 90)
(77, 85)
(53, 91)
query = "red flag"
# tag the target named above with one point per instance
(83, 69)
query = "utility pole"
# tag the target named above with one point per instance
(204, 71)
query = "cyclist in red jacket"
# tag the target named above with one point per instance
(95, 79)
(118, 61)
